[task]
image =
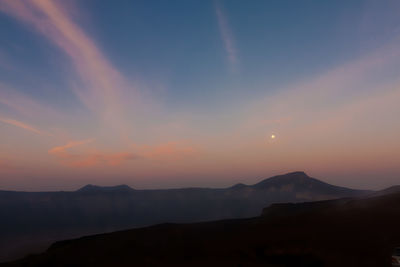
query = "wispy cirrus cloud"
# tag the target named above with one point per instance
(24, 126)
(226, 34)
(61, 151)
(101, 84)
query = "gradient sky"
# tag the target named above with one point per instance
(159, 94)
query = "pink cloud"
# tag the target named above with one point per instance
(102, 83)
(24, 126)
(61, 151)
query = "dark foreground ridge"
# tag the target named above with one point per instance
(344, 232)
(31, 221)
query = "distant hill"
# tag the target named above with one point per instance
(31, 220)
(95, 189)
(389, 190)
(346, 232)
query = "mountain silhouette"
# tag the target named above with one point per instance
(301, 182)
(100, 189)
(30, 218)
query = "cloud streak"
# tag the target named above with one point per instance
(61, 151)
(101, 84)
(24, 126)
(226, 35)
(343, 86)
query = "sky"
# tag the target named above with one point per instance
(163, 94)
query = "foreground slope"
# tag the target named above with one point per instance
(345, 232)
(32, 220)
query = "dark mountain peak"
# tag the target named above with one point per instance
(305, 187)
(288, 178)
(96, 188)
(293, 175)
(297, 173)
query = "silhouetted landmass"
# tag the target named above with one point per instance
(344, 232)
(96, 189)
(30, 221)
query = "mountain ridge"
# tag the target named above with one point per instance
(50, 216)
(297, 175)
(96, 188)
